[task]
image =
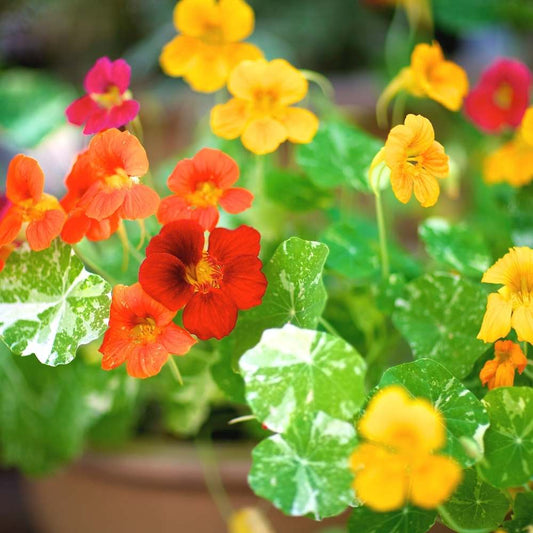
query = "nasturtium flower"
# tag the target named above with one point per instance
(499, 372)
(260, 112)
(211, 284)
(415, 159)
(141, 333)
(201, 184)
(397, 461)
(108, 102)
(208, 47)
(501, 96)
(512, 305)
(39, 213)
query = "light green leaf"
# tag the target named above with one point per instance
(456, 246)
(440, 318)
(295, 371)
(466, 418)
(305, 471)
(340, 154)
(49, 304)
(475, 505)
(407, 520)
(509, 439)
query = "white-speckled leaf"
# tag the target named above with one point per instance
(440, 318)
(406, 520)
(49, 304)
(456, 246)
(466, 418)
(475, 505)
(305, 471)
(509, 439)
(294, 371)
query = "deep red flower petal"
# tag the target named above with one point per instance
(25, 179)
(176, 340)
(97, 122)
(81, 109)
(236, 200)
(123, 113)
(210, 315)
(98, 78)
(10, 226)
(173, 208)
(116, 348)
(120, 74)
(146, 360)
(162, 276)
(244, 282)
(216, 166)
(40, 233)
(183, 239)
(140, 201)
(207, 217)
(226, 244)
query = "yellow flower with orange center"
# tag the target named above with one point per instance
(397, 463)
(209, 46)
(512, 305)
(260, 112)
(415, 159)
(429, 75)
(499, 372)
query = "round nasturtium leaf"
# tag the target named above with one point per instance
(306, 470)
(49, 304)
(475, 505)
(294, 371)
(409, 519)
(440, 318)
(508, 458)
(465, 416)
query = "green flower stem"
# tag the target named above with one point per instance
(328, 327)
(323, 83)
(384, 254)
(398, 108)
(175, 370)
(94, 267)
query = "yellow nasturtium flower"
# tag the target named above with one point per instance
(397, 462)
(512, 305)
(260, 111)
(209, 47)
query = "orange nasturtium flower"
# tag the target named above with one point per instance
(141, 333)
(397, 462)
(499, 372)
(40, 212)
(429, 75)
(415, 159)
(512, 305)
(208, 48)
(260, 111)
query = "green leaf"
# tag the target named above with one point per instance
(522, 514)
(293, 371)
(440, 318)
(305, 471)
(227, 378)
(407, 520)
(340, 154)
(50, 304)
(466, 418)
(456, 246)
(475, 505)
(509, 439)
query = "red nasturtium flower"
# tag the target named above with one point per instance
(199, 185)
(501, 97)
(108, 103)
(211, 284)
(499, 372)
(141, 333)
(29, 204)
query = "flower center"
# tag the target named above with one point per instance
(109, 99)
(146, 330)
(503, 97)
(32, 210)
(213, 34)
(119, 179)
(206, 194)
(204, 275)
(265, 101)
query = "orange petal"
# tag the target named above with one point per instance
(497, 320)
(301, 124)
(25, 179)
(177, 56)
(229, 120)
(435, 161)
(10, 226)
(40, 233)
(426, 189)
(263, 135)
(504, 376)
(140, 201)
(488, 372)
(402, 182)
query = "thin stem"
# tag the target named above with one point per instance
(384, 254)
(325, 85)
(175, 370)
(328, 327)
(239, 419)
(94, 267)
(398, 108)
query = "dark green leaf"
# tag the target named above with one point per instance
(407, 520)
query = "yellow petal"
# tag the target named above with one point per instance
(248, 77)
(522, 323)
(208, 70)
(433, 481)
(402, 182)
(497, 320)
(263, 135)
(448, 85)
(426, 189)
(236, 53)
(194, 17)
(249, 520)
(435, 161)
(229, 120)
(526, 127)
(515, 266)
(178, 55)
(301, 124)
(236, 20)
(288, 82)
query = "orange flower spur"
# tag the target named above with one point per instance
(512, 305)
(40, 213)
(209, 46)
(260, 112)
(141, 333)
(500, 371)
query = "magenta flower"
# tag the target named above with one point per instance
(108, 102)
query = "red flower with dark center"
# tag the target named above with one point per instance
(108, 103)
(201, 184)
(211, 284)
(141, 333)
(501, 96)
